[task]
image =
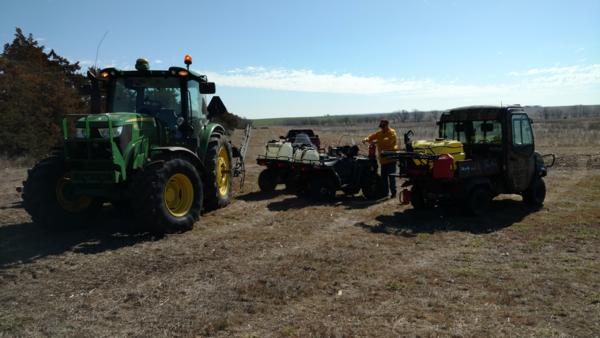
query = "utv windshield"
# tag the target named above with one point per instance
(147, 95)
(472, 132)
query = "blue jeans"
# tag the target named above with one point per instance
(389, 182)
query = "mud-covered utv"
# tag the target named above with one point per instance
(481, 152)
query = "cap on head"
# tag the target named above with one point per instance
(384, 123)
(142, 64)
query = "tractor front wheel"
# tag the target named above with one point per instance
(50, 197)
(167, 197)
(219, 176)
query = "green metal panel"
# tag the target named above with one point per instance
(204, 136)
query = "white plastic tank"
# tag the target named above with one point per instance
(279, 150)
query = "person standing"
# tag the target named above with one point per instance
(386, 140)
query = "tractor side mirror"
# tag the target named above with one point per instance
(216, 107)
(207, 88)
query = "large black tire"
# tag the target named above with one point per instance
(267, 180)
(478, 201)
(167, 197)
(219, 175)
(535, 195)
(323, 188)
(47, 197)
(372, 187)
(418, 199)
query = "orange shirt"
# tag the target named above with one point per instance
(385, 141)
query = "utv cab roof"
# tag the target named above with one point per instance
(480, 113)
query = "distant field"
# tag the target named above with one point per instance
(535, 112)
(274, 265)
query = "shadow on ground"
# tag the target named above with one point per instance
(410, 222)
(349, 202)
(27, 242)
(260, 195)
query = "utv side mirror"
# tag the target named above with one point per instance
(207, 88)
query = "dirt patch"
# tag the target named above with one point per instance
(276, 265)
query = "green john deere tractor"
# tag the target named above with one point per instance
(154, 155)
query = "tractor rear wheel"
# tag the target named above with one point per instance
(49, 196)
(167, 197)
(536, 193)
(267, 180)
(219, 176)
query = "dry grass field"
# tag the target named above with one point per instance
(278, 266)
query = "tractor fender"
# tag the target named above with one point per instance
(158, 152)
(208, 130)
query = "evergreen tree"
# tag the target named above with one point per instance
(36, 90)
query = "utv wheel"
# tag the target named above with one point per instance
(323, 189)
(49, 197)
(418, 199)
(167, 197)
(218, 173)
(478, 201)
(372, 187)
(535, 195)
(267, 180)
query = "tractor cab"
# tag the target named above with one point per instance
(174, 98)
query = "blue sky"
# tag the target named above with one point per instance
(301, 58)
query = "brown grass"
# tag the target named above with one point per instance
(274, 265)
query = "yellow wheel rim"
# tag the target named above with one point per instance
(67, 200)
(179, 195)
(223, 172)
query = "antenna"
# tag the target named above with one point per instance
(98, 48)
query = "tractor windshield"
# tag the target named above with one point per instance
(155, 96)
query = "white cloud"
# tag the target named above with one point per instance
(308, 81)
(573, 76)
(158, 62)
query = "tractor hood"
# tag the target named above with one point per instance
(115, 119)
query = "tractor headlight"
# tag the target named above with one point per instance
(80, 133)
(116, 132)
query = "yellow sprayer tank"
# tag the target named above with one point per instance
(439, 147)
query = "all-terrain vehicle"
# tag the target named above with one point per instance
(342, 168)
(155, 154)
(481, 152)
(308, 173)
(280, 157)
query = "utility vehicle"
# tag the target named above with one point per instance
(481, 152)
(155, 154)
